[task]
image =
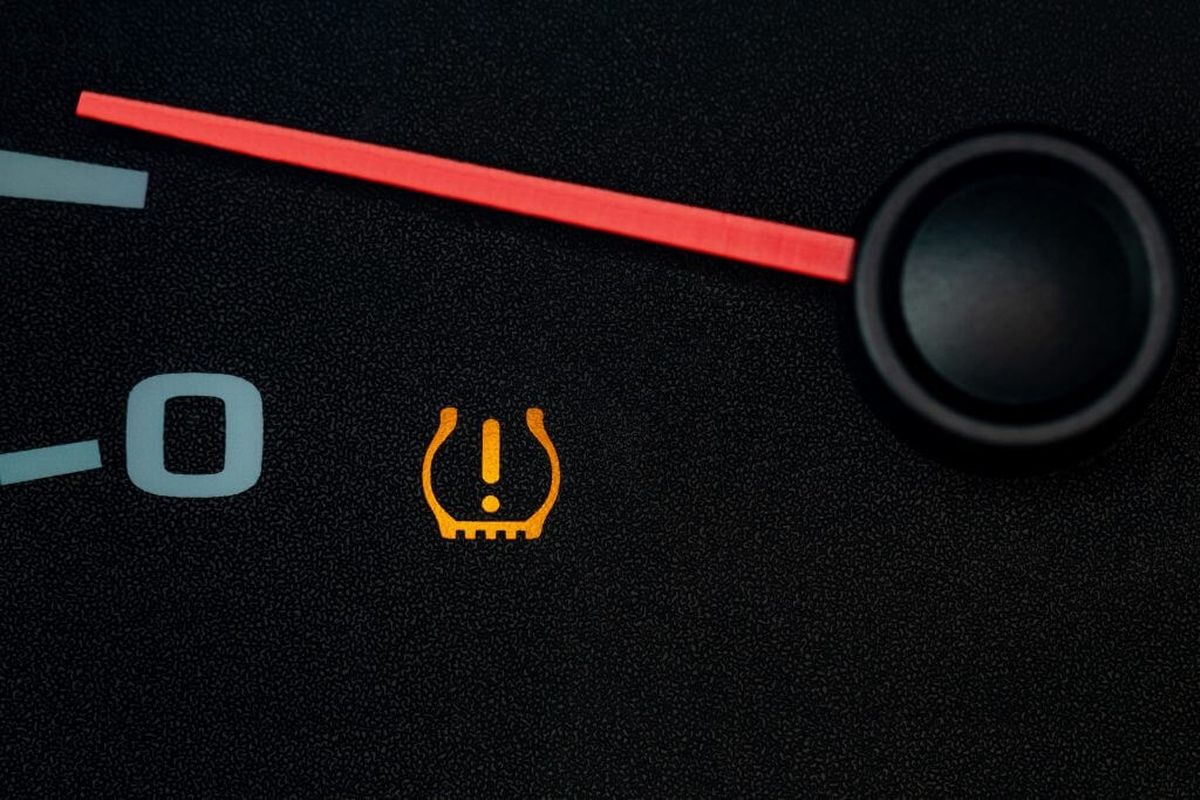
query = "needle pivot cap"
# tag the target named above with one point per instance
(1015, 293)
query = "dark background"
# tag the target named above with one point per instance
(749, 585)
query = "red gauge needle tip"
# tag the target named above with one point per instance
(755, 241)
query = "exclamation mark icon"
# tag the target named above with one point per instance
(491, 462)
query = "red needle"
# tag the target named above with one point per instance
(769, 244)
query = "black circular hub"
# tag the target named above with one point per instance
(1014, 293)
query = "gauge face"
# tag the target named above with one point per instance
(315, 479)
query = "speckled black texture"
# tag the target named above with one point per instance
(748, 587)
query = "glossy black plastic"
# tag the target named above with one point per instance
(1015, 296)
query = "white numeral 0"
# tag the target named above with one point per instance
(144, 424)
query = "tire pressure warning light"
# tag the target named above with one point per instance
(452, 528)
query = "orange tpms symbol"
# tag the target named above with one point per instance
(452, 528)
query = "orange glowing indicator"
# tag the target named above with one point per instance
(491, 461)
(452, 528)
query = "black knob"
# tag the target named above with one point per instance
(1015, 297)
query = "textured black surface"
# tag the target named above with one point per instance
(748, 586)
